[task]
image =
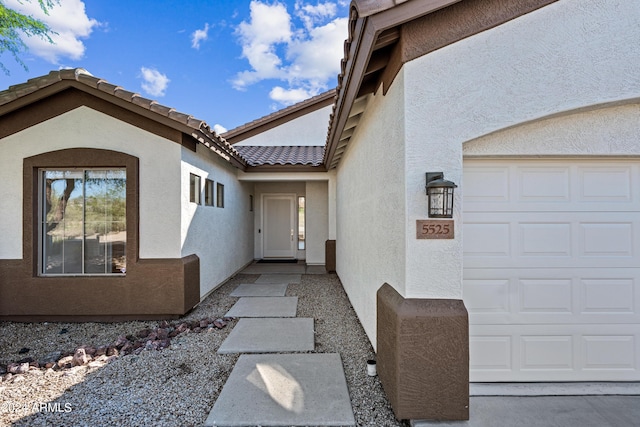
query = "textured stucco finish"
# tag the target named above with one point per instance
(370, 202)
(564, 57)
(423, 356)
(84, 127)
(564, 75)
(310, 129)
(317, 221)
(221, 237)
(606, 131)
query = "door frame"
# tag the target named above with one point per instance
(294, 223)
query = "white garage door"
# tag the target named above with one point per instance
(552, 269)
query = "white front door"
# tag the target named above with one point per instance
(552, 269)
(278, 226)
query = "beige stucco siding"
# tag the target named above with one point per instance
(370, 244)
(84, 127)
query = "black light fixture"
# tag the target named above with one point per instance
(440, 195)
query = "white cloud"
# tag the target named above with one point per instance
(270, 25)
(68, 19)
(306, 56)
(198, 36)
(289, 96)
(310, 14)
(219, 129)
(154, 82)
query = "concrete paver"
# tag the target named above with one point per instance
(260, 290)
(284, 390)
(264, 307)
(279, 278)
(269, 335)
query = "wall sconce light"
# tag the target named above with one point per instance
(440, 195)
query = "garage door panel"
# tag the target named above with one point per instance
(554, 353)
(552, 269)
(562, 239)
(547, 296)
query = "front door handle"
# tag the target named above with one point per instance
(292, 234)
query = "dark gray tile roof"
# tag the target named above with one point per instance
(282, 155)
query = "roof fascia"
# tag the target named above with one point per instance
(63, 85)
(366, 32)
(285, 168)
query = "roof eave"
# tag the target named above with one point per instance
(379, 16)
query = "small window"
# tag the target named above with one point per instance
(220, 195)
(250, 203)
(194, 189)
(208, 192)
(301, 228)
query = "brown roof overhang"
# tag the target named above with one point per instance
(373, 30)
(20, 96)
(385, 34)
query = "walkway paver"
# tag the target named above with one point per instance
(264, 307)
(284, 389)
(260, 290)
(269, 336)
(279, 278)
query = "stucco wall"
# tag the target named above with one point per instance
(567, 56)
(84, 127)
(370, 244)
(221, 237)
(317, 221)
(310, 129)
(608, 131)
(566, 64)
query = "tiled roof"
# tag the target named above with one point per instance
(197, 128)
(282, 155)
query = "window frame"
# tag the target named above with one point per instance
(209, 192)
(40, 203)
(195, 188)
(219, 195)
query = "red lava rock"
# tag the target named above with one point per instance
(121, 341)
(80, 357)
(174, 333)
(17, 368)
(101, 351)
(49, 365)
(91, 351)
(162, 333)
(112, 351)
(128, 347)
(65, 362)
(204, 323)
(34, 364)
(164, 324)
(219, 323)
(143, 333)
(227, 319)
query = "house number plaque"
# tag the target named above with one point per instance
(434, 229)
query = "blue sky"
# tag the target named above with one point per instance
(226, 62)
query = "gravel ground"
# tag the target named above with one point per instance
(176, 386)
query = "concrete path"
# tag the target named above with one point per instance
(264, 307)
(278, 389)
(260, 290)
(547, 411)
(269, 336)
(284, 390)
